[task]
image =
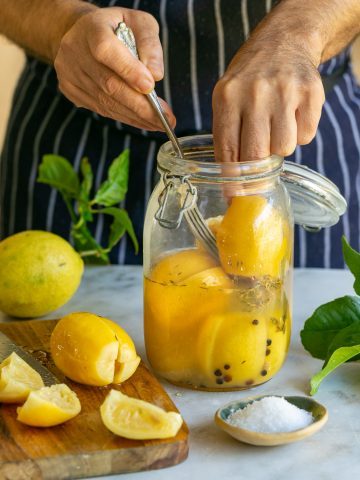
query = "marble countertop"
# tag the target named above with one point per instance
(116, 292)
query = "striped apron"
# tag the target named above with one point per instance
(199, 38)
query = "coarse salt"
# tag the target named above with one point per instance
(271, 415)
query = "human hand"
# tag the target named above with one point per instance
(268, 101)
(96, 71)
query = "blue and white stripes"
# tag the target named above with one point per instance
(199, 38)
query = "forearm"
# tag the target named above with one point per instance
(39, 25)
(321, 28)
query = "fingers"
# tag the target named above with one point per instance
(261, 118)
(283, 136)
(255, 136)
(83, 99)
(148, 43)
(96, 71)
(308, 114)
(112, 53)
(226, 123)
(112, 88)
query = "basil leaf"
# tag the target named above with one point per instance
(85, 189)
(120, 225)
(58, 172)
(91, 252)
(326, 322)
(340, 356)
(352, 260)
(347, 337)
(113, 190)
(87, 174)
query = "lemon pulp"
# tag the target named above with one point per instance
(49, 406)
(17, 379)
(137, 419)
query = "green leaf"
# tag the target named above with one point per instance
(87, 174)
(340, 356)
(87, 246)
(120, 225)
(326, 322)
(58, 172)
(347, 337)
(113, 190)
(352, 260)
(85, 189)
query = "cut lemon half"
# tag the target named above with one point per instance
(49, 406)
(137, 419)
(17, 379)
(93, 350)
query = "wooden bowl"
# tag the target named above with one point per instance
(318, 411)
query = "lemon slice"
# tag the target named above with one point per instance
(93, 350)
(137, 419)
(49, 406)
(17, 379)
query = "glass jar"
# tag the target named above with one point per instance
(221, 319)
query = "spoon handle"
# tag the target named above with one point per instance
(125, 34)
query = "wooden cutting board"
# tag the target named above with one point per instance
(82, 447)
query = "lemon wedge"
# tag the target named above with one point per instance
(17, 379)
(137, 419)
(93, 350)
(49, 406)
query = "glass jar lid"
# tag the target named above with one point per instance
(316, 201)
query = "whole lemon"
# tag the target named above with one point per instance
(93, 350)
(39, 272)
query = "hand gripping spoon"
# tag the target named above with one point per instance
(190, 210)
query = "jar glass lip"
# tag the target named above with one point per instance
(199, 162)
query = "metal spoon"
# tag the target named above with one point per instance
(192, 214)
(125, 34)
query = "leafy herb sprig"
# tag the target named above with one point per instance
(76, 192)
(332, 333)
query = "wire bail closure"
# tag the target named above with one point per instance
(164, 199)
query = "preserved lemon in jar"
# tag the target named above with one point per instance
(217, 317)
